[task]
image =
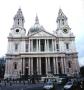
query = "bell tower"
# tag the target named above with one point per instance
(63, 28)
(61, 19)
(19, 19)
(18, 25)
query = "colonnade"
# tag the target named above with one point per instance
(56, 65)
(48, 65)
(38, 45)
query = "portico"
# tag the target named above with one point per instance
(43, 65)
(42, 45)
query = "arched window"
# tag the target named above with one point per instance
(69, 64)
(57, 47)
(67, 45)
(16, 46)
(15, 65)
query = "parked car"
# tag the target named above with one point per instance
(69, 86)
(48, 86)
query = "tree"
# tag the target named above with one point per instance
(82, 71)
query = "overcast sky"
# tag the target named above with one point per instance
(47, 11)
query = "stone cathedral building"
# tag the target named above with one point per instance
(40, 52)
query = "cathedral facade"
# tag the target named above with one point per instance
(40, 52)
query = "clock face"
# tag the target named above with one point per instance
(17, 30)
(65, 30)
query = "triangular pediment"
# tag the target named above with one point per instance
(42, 34)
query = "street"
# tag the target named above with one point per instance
(26, 87)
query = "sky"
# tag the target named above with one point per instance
(47, 11)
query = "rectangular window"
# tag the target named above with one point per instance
(26, 62)
(67, 46)
(69, 64)
(57, 47)
(16, 47)
(15, 65)
(27, 47)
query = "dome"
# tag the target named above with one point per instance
(36, 27)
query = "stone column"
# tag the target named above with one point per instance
(46, 67)
(29, 45)
(37, 45)
(32, 45)
(65, 67)
(57, 65)
(31, 66)
(6, 67)
(49, 68)
(9, 66)
(37, 66)
(45, 45)
(23, 66)
(62, 65)
(40, 65)
(48, 45)
(75, 65)
(52, 45)
(54, 63)
(55, 45)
